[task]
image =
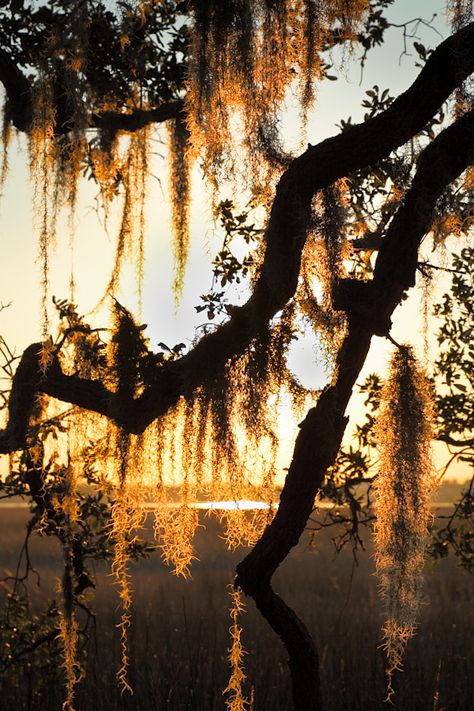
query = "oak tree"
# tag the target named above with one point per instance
(88, 83)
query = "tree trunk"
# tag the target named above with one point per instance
(322, 430)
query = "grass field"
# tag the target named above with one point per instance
(179, 635)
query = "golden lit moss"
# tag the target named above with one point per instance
(235, 700)
(68, 632)
(69, 46)
(139, 185)
(403, 487)
(133, 174)
(427, 284)
(57, 137)
(152, 457)
(43, 159)
(225, 454)
(221, 444)
(242, 527)
(180, 186)
(6, 138)
(237, 424)
(106, 165)
(332, 229)
(323, 265)
(175, 527)
(244, 56)
(310, 62)
(468, 183)
(194, 449)
(127, 516)
(127, 348)
(68, 507)
(175, 524)
(120, 524)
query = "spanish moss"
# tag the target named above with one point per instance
(180, 187)
(244, 56)
(403, 488)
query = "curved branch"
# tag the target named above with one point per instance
(319, 166)
(322, 430)
(395, 270)
(114, 121)
(303, 660)
(456, 442)
(20, 106)
(30, 379)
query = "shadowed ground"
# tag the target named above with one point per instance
(179, 637)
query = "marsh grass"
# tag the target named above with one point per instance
(179, 637)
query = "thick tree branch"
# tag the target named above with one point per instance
(318, 167)
(114, 121)
(303, 660)
(456, 442)
(29, 380)
(395, 270)
(361, 145)
(20, 106)
(322, 430)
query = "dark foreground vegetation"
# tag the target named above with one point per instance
(179, 636)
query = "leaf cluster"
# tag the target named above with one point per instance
(227, 267)
(455, 339)
(122, 48)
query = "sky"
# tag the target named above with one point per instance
(20, 270)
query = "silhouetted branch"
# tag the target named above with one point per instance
(114, 121)
(424, 268)
(322, 430)
(319, 166)
(456, 442)
(18, 91)
(20, 106)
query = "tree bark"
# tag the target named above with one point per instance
(322, 430)
(285, 236)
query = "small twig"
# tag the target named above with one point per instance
(392, 340)
(48, 637)
(413, 33)
(428, 265)
(348, 594)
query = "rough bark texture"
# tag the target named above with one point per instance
(369, 308)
